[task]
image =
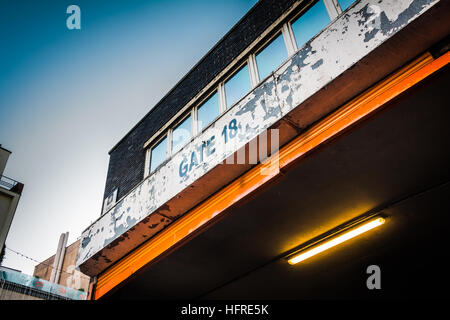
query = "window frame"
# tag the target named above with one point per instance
(174, 125)
(332, 7)
(148, 155)
(230, 75)
(264, 45)
(203, 100)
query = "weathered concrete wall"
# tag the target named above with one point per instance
(71, 276)
(340, 46)
(5, 208)
(8, 205)
(44, 269)
(4, 155)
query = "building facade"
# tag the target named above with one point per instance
(60, 268)
(306, 119)
(10, 192)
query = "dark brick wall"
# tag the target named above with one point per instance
(126, 164)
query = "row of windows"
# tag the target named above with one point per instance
(257, 67)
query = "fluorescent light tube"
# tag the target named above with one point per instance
(337, 239)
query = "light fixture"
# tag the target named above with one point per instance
(333, 240)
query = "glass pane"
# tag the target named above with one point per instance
(271, 57)
(237, 86)
(181, 134)
(345, 4)
(310, 23)
(208, 111)
(158, 154)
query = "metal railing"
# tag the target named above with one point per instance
(10, 279)
(10, 184)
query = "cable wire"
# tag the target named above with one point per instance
(42, 263)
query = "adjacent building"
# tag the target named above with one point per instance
(10, 192)
(56, 278)
(60, 268)
(66, 282)
(309, 122)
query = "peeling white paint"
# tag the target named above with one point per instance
(348, 39)
(396, 8)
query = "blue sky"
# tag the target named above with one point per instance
(68, 96)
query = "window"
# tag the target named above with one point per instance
(345, 4)
(158, 154)
(271, 57)
(208, 111)
(237, 86)
(310, 23)
(181, 134)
